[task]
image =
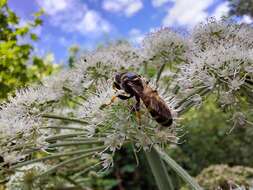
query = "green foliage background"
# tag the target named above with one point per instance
(18, 65)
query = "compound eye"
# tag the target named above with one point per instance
(131, 76)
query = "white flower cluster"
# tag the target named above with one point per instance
(110, 58)
(23, 179)
(213, 33)
(20, 116)
(164, 44)
(218, 57)
(92, 106)
(221, 58)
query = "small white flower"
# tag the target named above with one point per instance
(167, 73)
(239, 119)
(143, 141)
(92, 106)
(107, 160)
(208, 80)
(90, 130)
(235, 83)
(114, 141)
(23, 177)
(197, 99)
(12, 157)
(165, 136)
(226, 98)
(249, 68)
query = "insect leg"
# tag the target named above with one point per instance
(112, 100)
(138, 103)
(120, 96)
(137, 109)
(108, 104)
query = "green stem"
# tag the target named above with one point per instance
(58, 137)
(85, 170)
(159, 171)
(63, 127)
(202, 91)
(189, 103)
(51, 116)
(178, 169)
(49, 171)
(159, 73)
(91, 150)
(74, 143)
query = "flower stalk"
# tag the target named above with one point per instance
(178, 169)
(159, 170)
(75, 120)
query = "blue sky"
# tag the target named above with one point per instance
(92, 22)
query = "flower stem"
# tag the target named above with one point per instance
(178, 169)
(49, 171)
(70, 135)
(91, 150)
(159, 171)
(74, 143)
(63, 127)
(51, 116)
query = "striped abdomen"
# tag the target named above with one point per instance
(157, 107)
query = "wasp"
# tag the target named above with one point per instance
(135, 86)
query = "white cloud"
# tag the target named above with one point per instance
(53, 7)
(158, 3)
(221, 10)
(187, 12)
(128, 7)
(136, 36)
(93, 22)
(75, 16)
(247, 19)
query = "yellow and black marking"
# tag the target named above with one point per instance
(164, 121)
(156, 106)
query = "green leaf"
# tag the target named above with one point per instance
(2, 3)
(12, 18)
(34, 37)
(39, 13)
(178, 169)
(22, 31)
(159, 171)
(37, 22)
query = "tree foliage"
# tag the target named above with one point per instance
(208, 137)
(241, 7)
(18, 65)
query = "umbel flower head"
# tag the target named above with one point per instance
(221, 58)
(25, 178)
(164, 45)
(65, 117)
